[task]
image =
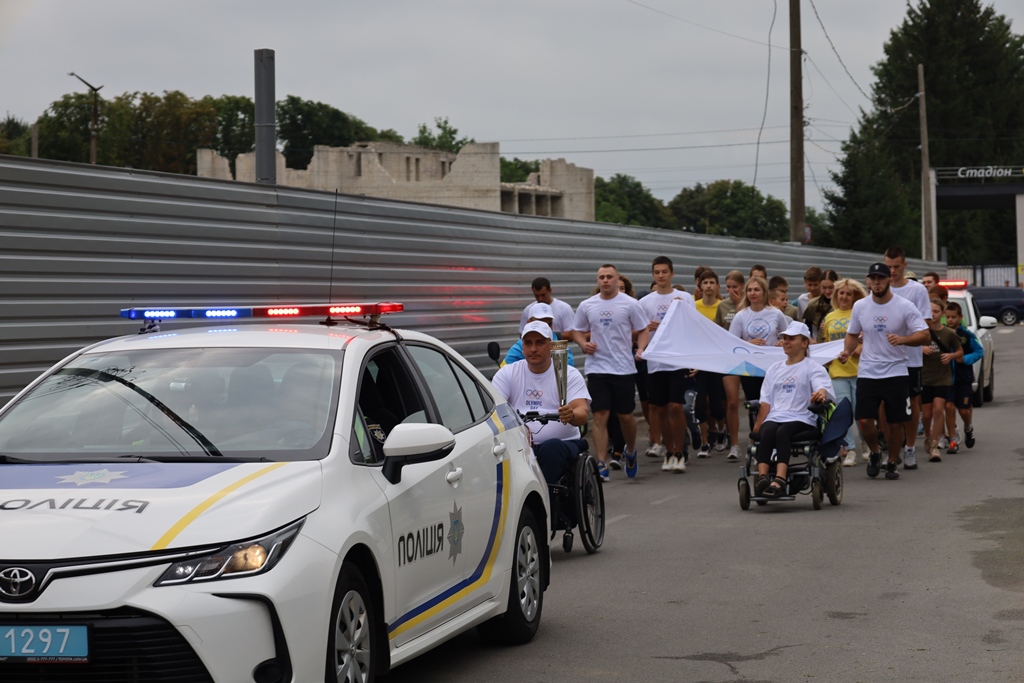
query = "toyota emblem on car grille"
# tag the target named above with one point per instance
(17, 582)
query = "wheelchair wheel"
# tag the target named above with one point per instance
(589, 496)
(816, 494)
(834, 482)
(744, 487)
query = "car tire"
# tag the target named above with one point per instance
(978, 396)
(1009, 316)
(521, 619)
(351, 642)
(989, 392)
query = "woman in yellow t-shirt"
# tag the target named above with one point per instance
(844, 375)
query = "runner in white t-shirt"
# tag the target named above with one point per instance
(789, 387)
(888, 324)
(612, 318)
(530, 385)
(562, 313)
(915, 293)
(759, 324)
(666, 383)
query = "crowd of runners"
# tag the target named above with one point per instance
(905, 361)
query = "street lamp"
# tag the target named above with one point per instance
(95, 115)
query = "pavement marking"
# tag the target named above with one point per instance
(665, 500)
(1007, 330)
(616, 518)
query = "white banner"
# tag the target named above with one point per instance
(687, 339)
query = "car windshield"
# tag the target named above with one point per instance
(170, 404)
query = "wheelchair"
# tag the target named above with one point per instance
(577, 500)
(812, 469)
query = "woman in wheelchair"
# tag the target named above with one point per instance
(784, 417)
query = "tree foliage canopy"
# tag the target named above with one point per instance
(445, 139)
(623, 199)
(517, 170)
(974, 84)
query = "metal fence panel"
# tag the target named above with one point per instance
(985, 276)
(81, 242)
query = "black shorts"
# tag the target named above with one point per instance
(710, 393)
(668, 386)
(929, 394)
(914, 375)
(611, 392)
(894, 392)
(641, 380)
(963, 395)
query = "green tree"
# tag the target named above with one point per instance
(302, 124)
(15, 136)
(974, 80)
(623, 199)
(236, 126)
(446, 138)
(64, 128)
(517, 170)
(730, 207)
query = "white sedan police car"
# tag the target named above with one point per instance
(265, 502)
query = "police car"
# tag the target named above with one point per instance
(981, 326)
(262, 502)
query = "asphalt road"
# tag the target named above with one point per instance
(919, 579)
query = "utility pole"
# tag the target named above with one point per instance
(95, 115)
(927, 219)
(797, 202)
(266, 118)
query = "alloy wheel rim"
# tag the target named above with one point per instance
(352, 640)
(528, 573)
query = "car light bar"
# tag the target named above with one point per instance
(299, 311)
(953, 284)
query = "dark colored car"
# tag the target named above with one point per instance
(1004, 303)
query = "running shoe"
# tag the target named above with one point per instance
(615, 463)
(705, 451)
(602, 471)
(734, 453)
(722, 442)
(943, 442)
(866, 456)
(934, 455)
(652, 451)
(631, 464)
(890, 471)
(969, 437)
(680, 465)
(954, 447)
(874, 464)
(909, 459)
(669, 464)
(695, 434)
(850, 460)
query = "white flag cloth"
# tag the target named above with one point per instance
(687, 339)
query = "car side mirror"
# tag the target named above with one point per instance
(494, 351)
(988, 322)
(409, 444)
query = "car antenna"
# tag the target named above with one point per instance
(329, 321)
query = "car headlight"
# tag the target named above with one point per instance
(234, 561)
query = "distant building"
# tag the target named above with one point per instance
(470, 179)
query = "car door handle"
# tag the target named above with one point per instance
(499, 449)
(454, 475)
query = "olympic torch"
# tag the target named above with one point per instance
(560, 361)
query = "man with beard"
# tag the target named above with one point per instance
(887, 323)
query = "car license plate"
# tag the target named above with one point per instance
(43, 644)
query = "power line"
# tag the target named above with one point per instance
(807, 56)
(639, 135)
(767, 90)
(708, 28)
(829, 39)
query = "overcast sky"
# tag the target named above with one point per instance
(669, 91)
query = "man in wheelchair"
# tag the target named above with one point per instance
(530, 385)
(784, 417)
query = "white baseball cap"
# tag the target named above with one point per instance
(541, 310)
(539, 327)
(796, 329)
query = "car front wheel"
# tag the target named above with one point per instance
(350, 644)
(521, 619)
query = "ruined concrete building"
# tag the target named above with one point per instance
(470, 179)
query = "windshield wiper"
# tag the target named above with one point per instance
(103, 376)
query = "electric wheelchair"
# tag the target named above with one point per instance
(814, 466)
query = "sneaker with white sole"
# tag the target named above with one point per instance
(890, 471)
(652, 451)
(631, 464)
(615, 463)
(943, 442)
(954, 447)
(705, 451)
(723, 441)
(909, 459)
(850, 460)
(680, 465)
(734, 453)
(669, 464)
(602, 471)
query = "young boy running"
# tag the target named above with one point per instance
(963, 376)
(937, 379)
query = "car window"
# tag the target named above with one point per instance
(480, 403)
(449, 397)
(387, 397)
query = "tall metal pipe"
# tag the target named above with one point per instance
(266, 119)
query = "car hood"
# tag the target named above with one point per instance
(55, 511)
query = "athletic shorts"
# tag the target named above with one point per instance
(611, 392)
(914, 375)
(963, 394)
(641, 380)
(894, 392)
(668, 386)
(929, 394)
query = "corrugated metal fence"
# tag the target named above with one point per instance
(81, 242)
(985, 276)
